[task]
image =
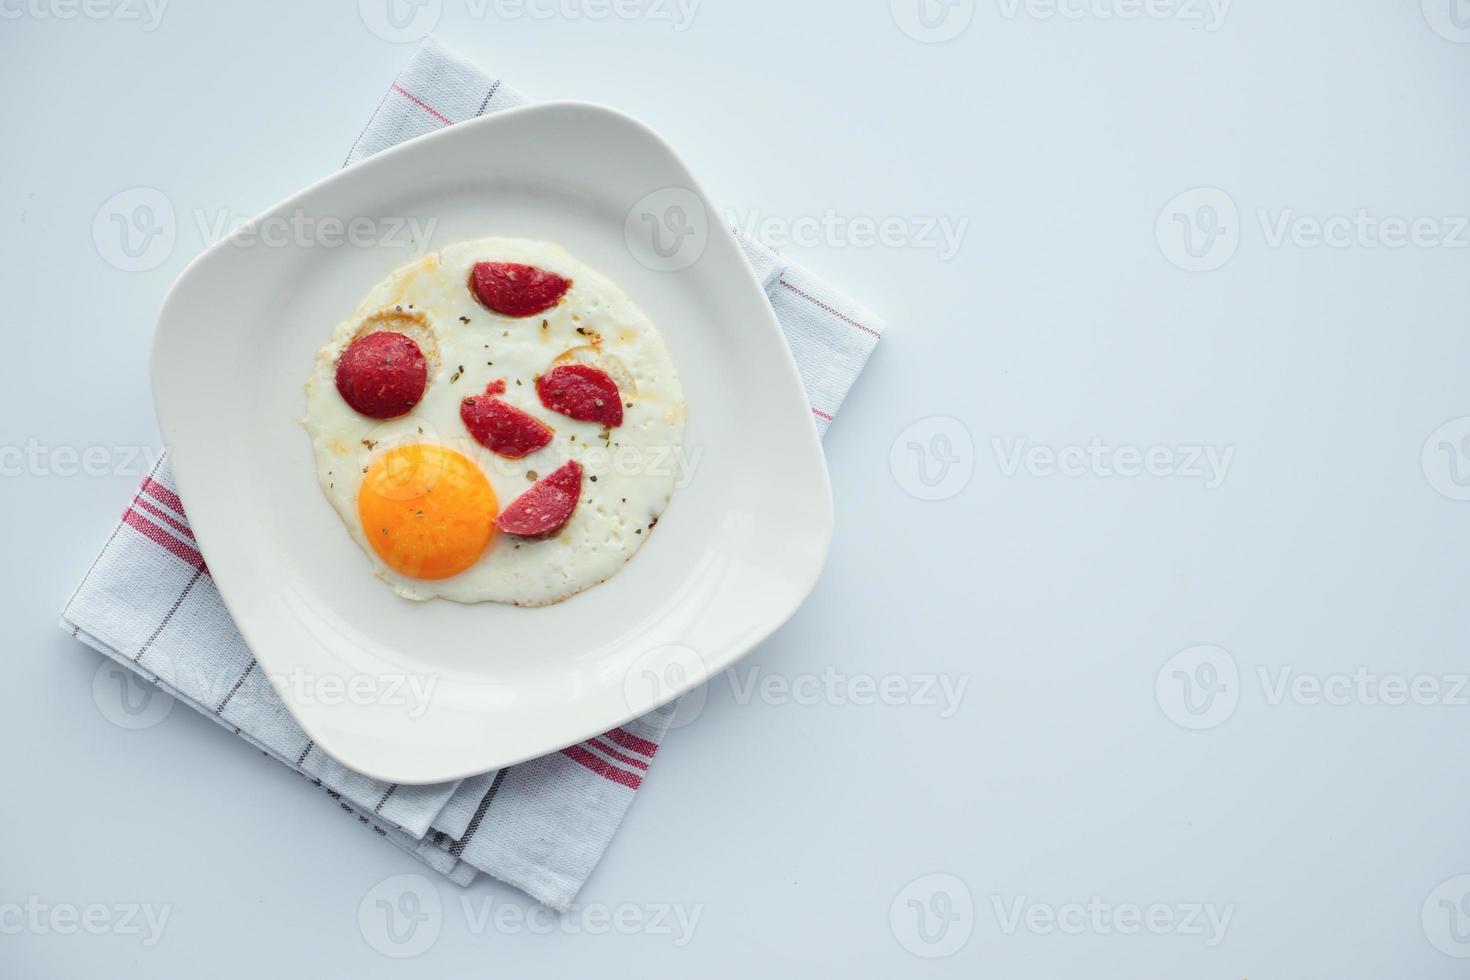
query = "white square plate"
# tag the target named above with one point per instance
(737, 551)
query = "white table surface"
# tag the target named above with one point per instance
(1087, 830)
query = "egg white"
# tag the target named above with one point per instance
(635, 465)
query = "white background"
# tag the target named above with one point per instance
(1068, 773)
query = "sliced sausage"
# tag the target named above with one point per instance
(582, 392)
(382, 375)
(512, 289)
(544, 509)
(501, 427)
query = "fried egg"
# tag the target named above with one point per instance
(436, 511)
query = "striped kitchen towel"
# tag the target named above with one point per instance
(149, 604)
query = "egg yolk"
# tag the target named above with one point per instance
(427, 511)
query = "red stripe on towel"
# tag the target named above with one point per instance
(163, 495)
(621, 757)
(422, 104)
(140, 523)
(630, 741)
(818, 303)
(602, 767)
(160, 514)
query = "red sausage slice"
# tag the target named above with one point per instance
(382, 375)
(516, 290)
(546, 507)
(501, 427)
(582, 392)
